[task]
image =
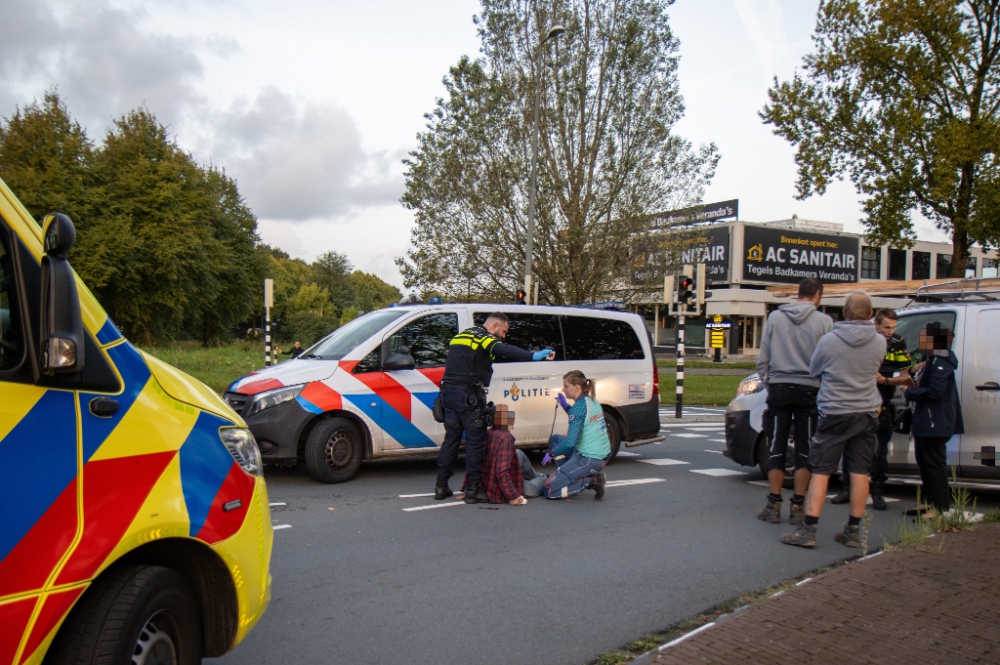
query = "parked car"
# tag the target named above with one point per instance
(366, 390)
(971, 309)
(135, 516)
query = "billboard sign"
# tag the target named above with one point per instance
(787, 257)
(709, 245)
(708, 212)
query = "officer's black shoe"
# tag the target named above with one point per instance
(474, 493)
(878, 501)
(442, 492)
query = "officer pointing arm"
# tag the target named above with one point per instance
(467, 372)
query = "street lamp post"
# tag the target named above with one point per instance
(529, 252)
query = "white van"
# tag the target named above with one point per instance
(366, 390)
(972, 310)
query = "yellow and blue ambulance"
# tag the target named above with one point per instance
(134, 520)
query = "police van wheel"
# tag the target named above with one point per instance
(334, 451)
(614, 434)
(143, 615)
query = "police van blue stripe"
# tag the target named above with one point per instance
(39, 461)
(392, 421)
(135, 374)
(427, 399)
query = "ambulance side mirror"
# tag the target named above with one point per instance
(62, 334)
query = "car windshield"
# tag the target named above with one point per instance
(346, 338)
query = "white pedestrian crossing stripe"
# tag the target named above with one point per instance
(663, 461)
(718, 473)
(685, 435)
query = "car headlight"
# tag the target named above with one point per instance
(243, 447)
(271, 398)
(749, 385)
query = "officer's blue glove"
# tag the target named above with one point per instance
(562, 401)
(541, 355)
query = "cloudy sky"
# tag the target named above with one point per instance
(312, 104)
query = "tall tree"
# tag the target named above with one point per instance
(902, 97)
(607, 154)
(332, 270)
(371, 292)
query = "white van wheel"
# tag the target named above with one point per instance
(334, 451)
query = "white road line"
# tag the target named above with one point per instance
(663, 461)
(683, 435)
(717, 440)
(278, 503)
(718, 473)
(762, 483)
(625, 453)
(415, 496)
(713, 451)
(635, 481)
(279, 527)
(445, 504)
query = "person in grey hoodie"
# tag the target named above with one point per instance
(846, 361)
(786, 347)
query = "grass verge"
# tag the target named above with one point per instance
(700, 390)
(708, 364)
(216, 367)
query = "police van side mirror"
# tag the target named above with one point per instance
(398, 361)
(61, 335)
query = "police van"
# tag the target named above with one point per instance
(135, 524)
(366, 390)
(971, 309)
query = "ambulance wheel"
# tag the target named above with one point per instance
(614, 434)
(334, 451)
(144, 615)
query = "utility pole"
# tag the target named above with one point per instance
(268, 304)
(529, 252)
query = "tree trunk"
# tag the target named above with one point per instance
(960, 223)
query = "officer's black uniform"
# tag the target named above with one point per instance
(467, 372)
(897, 358)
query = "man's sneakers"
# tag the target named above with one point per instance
(797, 513)
(850, 536)
(599, 485)
(771, 512)
(803, 536)
(442, 492)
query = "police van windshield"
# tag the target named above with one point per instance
(346, 338)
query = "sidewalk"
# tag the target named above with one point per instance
(937, 602)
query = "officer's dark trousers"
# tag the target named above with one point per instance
(932, 458)
(880, 463)
(462, 414)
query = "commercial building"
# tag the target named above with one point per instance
(743, 258)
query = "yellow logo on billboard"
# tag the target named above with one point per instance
(717, 318)
(756, 253)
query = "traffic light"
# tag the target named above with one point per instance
(684, 286)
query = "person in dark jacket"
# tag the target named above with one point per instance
(937, 415)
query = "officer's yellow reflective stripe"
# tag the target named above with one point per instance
(472, 341)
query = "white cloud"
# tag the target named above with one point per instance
(763, 22)
(297, 161)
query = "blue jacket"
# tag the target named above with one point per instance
(936, 410)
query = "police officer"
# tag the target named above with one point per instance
(467, 372)
(897, 361)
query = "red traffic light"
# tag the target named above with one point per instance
(684, 285)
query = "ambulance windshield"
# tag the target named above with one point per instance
(346, 338)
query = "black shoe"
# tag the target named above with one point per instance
(878, 501)
(843, 497)
(599, 484)
(442, 492)
(474, 493)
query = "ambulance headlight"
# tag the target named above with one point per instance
(271, 398)
(243, 447)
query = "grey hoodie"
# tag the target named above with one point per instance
(846, 361)
(788, 342)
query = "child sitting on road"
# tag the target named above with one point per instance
(583, 452)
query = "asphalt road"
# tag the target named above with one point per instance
(361, 577)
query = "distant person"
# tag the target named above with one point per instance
(505, 478)
(294, 352)
(786, 347)
(521, 295)
(937, 415)
(585, 450)
(467, 372)
(845, 362)
(893, 372)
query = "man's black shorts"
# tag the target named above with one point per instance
(847, 435)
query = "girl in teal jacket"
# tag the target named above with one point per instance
(582, 453)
